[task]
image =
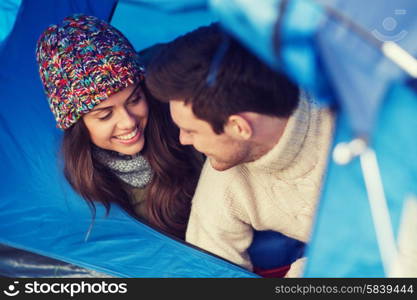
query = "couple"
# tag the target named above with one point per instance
(266, 145)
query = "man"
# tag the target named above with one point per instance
(266, 149)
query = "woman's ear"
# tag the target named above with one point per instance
(239, 127)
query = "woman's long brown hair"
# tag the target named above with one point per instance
(176, 171)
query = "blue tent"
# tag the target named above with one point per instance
(338, 51)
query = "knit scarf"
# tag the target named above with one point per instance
(134, 170)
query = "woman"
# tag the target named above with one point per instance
(120, 145)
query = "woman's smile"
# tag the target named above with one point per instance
(130, 138)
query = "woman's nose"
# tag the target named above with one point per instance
(127, 120)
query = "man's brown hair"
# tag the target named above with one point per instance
(219, 77)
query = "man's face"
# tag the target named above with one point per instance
(224, 151)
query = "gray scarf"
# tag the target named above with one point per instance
(134, 170)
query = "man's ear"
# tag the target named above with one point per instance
(239, 127)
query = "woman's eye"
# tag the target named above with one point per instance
(135, 100)
(105, 117)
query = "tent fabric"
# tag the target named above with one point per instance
(344, 214)
(8, 14)
(18, 263)
(146, 23)
(352, 78)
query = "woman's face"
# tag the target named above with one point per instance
(119, 122)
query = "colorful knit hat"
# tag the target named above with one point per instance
(81, 63)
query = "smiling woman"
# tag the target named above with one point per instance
(120, 145)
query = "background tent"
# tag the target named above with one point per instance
(333, 49)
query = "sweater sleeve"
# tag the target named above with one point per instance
(214, 224)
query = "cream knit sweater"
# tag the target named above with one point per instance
(277, 192)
